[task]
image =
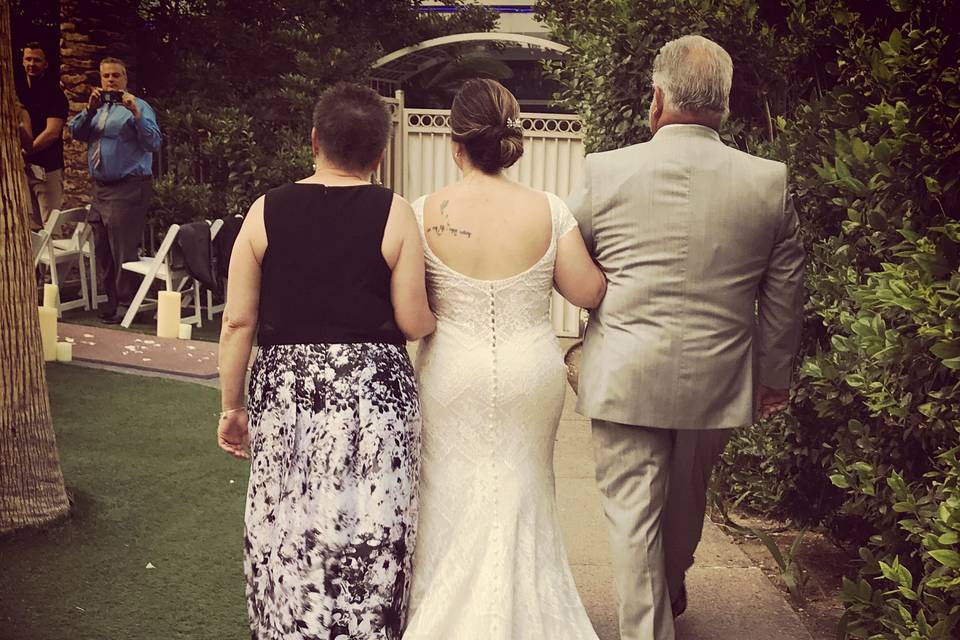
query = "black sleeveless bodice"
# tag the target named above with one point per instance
(324, 279)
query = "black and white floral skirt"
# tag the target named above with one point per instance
(332, 506)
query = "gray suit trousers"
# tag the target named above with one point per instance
(653, 485)
(118, 216)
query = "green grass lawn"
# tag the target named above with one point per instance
(150, 486)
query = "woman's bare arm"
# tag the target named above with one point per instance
(577, 276)
(403, 251)
(241, 312)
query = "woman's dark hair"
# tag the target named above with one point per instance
(353, 126)
(485, 119)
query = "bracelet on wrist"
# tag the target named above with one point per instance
(224, 414)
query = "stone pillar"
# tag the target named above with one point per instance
(89, 31)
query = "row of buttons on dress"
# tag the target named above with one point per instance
(495, 531)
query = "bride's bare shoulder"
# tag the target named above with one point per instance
(532, 199)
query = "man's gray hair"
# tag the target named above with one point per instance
(116, 61)
(695, 75)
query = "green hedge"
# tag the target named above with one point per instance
(868, 124)
(234, 83)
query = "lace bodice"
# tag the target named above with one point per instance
(494, 310)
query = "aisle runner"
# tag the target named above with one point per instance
(193, 358)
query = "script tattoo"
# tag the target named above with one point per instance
(446, 227)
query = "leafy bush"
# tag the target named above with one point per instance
(234, 84)
(606, 73)
(879, 153)
(869, 128)
(178, 203)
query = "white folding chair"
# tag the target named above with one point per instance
(89, 249)
(83, 239)
(74, 249)
(158, 267)
(40, 239)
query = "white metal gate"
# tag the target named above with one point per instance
(419, 161)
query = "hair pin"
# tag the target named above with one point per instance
(514, 123)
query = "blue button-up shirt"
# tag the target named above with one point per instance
(126, 144)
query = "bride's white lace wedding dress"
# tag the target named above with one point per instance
(490, 563)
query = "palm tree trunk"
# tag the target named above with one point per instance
(31, 483)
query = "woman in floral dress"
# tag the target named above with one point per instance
(328, 274)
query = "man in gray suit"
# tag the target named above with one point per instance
(699, 328)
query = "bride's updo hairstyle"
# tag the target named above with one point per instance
(485, 119)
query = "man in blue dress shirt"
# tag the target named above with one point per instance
(121, 132)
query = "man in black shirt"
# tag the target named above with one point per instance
(44, 100)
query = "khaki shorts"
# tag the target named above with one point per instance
(45, 194)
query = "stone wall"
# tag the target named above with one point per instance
(91, 30)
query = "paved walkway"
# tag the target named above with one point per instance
(114, 347)
(730, 599)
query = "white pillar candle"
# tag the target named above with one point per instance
(64, 352)
(48, 333)
(186, 331)
(51, 296)
(168, 314)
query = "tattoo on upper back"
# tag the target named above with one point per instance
(445, 226)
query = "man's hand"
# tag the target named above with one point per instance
(768, 402)
(24, 131)
(130, 102)
(94, 102)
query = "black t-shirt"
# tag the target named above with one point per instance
(45, 99)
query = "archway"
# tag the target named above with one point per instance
(392, 69)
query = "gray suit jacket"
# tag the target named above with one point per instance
(701, 249)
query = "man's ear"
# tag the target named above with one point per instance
(314, 143)
(656, 108)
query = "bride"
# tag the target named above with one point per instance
(490, 562)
